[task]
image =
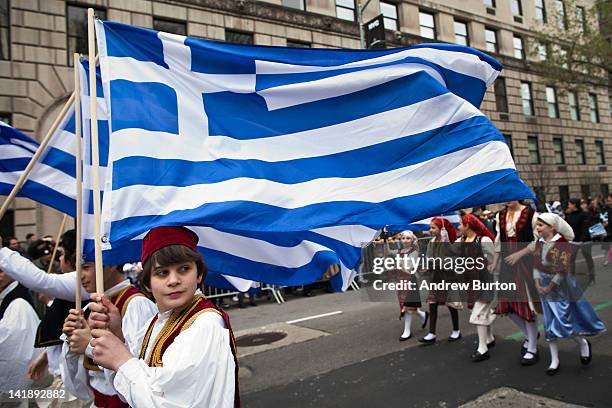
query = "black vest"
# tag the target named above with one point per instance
(50, 327)
(20, 292)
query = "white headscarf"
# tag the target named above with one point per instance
(558, 223)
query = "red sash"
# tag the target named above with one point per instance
(108, 401)
(181, 319)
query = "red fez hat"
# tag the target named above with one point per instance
(161, 237)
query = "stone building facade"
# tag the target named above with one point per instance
(562, 143)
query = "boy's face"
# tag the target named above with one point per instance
(88, 276)
(174, 286)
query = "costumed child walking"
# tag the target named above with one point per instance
(186, 354)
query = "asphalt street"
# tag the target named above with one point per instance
(346, 353)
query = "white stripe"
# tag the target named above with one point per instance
(457, 61)
(86, 108)
(257, 250)
(378, 128)
(349, 234)
(303, 92)
(418, 178)
(64, 141)
(14, 152)
(303, 319)
(88, 177)
(47, 176)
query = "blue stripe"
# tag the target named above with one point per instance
(90, 197)
(128, 251)
(99, 88)
(246, 116)
(11, 165)
(70, 125)
(142, 44)
(44, 195)
(103, 143)
(424, 146)
(490, 187)
(60, 160)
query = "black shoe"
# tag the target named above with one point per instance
(405, 338)
(523, 348)
(242, 305)
(401, 315)
(586, 360)
(425, 321)
(478, 357)
(553, 371)
(308, 294)
(491, 344)
(452, 339)
(425, 341)
(530, 361)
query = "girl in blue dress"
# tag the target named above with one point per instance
(566, 313)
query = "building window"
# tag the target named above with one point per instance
(501, 99)
(461, 33)
(491, 40)
(593, 110)
(508, 139)
(527, 99)
(542, 51)
(76, 22)
(428, 25)
(581, 19)
(298, 44)
(345, 9)
(7, 118)
(5, 39)
(517, 9)
(389, 12)
(296, 4)
(551, 101)
(489, 3)
(561, 19)
(519, 52)
(564, 194)
(599, 152)
(540, 10)
(574, 107)
(605, 190)
(580, 157)
(534, 151)
(239, 37)
(170, 26)
(558, 150)
(585, 189)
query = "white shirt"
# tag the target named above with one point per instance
(61, 286)
(17, 334)
(198, 368)
(76, 378)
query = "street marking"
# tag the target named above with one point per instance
(314, 317)
(519, 334)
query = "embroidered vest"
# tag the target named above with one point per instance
(181, 319)
(558, 257)
(524, 229)
(20, 292)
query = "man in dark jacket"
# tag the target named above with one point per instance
(580, 221)
(605, 217)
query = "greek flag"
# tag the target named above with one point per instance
(269, 139)
(52, 180)
(235, 258)
(423, 225)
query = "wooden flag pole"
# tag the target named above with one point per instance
(79, 180)
(95, 158)
(34, 160)
(57, 240)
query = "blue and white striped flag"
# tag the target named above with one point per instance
(423, 225)
(234, 258)
(52, 180)
(242, 137)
